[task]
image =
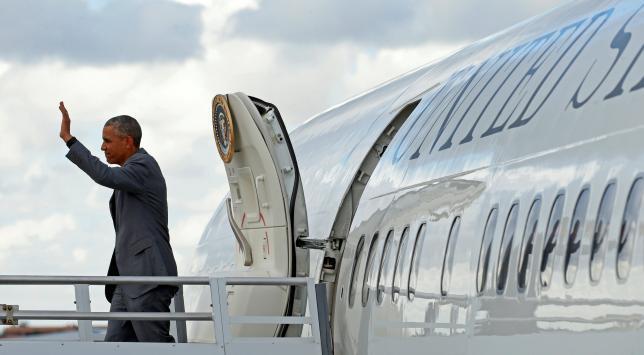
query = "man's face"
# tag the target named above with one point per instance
(116, 146)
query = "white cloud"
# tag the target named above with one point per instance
(34, 172)
(380, 23)
(184, 236)
(10, 150)
(98, 197)
(4, 67)
(187, 231)
(100, 33)
(389, 63)
(24, 232)
(80, 255)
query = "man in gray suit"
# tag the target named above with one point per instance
(139, 210)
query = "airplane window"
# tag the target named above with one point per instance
(628, 229)
(574, 237)
(448, 260)
(486, 249)
(552, 234)
(400, 265)
(354, 271)
(527, 252)
(412, 280)
(370, 270)
(503, 261)
(384, 260)
(602, 222)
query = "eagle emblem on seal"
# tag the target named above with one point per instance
(222, 125)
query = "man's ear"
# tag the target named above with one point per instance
(130, 142)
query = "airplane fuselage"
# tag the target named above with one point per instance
(498, 217)
(503, 212)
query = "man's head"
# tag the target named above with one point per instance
(121, 139)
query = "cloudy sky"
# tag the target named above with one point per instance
(162, 61)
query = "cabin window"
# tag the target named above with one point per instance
(412, 280)
(486, 250)
(354, 271)
(384, 260)
(448, 259)
(628, 229)
(552, 234)
(401, 260)
(503, 261)
(370, 269)
(527, 247)
(600, 232)
(574, 237)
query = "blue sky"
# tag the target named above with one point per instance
(162, 62)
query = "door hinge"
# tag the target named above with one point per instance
(320, 244)
(310, 243)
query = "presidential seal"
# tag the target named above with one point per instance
(222, 126)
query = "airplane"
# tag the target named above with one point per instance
(488, 202)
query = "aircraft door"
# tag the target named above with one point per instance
(266, 209)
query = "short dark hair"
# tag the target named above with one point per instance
(126, 126)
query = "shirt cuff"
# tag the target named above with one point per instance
(71, 141)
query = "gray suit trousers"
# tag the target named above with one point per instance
(155, 300)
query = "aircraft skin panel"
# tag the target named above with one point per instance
(331, 147)
(550, 106)
(579, 138)
(539, 316)
(353, 126)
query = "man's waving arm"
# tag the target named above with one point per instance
(129, 178)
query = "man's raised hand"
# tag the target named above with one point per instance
(65, 124)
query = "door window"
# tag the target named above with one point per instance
(448, 260)
(575, 236)
(401, 261)
(527, 248)
(600, 232)
(503, 261)
(355, 271)
(370, 269)
(629, 229)
(550, 242)
(384, 261)
(415, 262)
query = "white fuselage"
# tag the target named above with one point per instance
(541, 123)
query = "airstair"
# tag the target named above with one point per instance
(319, 342)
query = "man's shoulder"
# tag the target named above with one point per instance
(141, 156)
(144, 158)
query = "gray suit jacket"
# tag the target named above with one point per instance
(139, 209)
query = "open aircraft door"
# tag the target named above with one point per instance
(266, 209)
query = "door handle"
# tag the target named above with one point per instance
(239, 235)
